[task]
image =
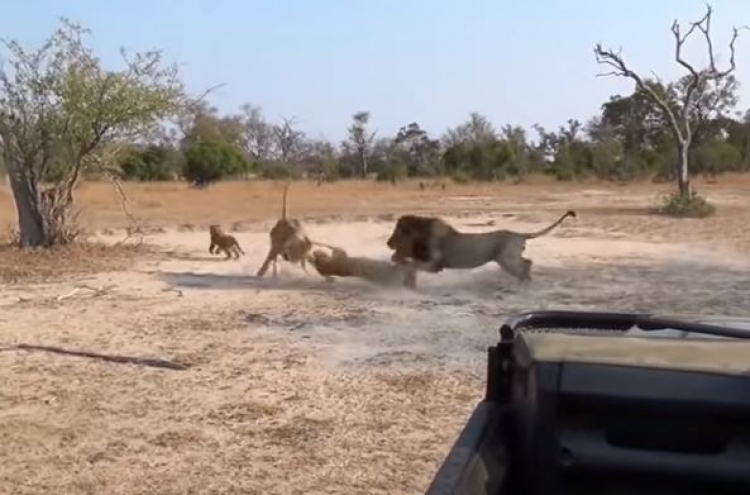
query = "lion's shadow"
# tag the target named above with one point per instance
(235, 281)
(676, 283)
(286, 281)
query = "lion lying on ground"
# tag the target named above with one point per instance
(432, 245)
(221, 241)
(340, 264)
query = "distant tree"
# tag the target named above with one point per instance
(289, 142)
(737, 133)
(209, 162)
(322, 155)
(154, 162)
(476, 129)
(361, 140)
(524, 158)
(417, 151)
(205, 125)
(258, 134)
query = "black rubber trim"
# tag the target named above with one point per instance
(610, 321)
(451, 478)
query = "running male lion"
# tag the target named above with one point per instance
(433, 245)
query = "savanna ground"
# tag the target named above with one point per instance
(297, 385)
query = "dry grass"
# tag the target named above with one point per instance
(258, 410)
(46, 265)
(170, 204)
(247, 417)
(239, 205)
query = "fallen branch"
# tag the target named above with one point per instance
(116, 358)
(172, 289)
(97, 291)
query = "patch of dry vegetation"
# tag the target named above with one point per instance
(45, 265)
(256, 412)
(259, 418)
(168, 204)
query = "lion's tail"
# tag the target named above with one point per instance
(547, 230)
(283, 208)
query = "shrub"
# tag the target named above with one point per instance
(209, 162)
(690, 205)
(155, 163)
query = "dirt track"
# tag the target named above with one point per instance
(300, 386)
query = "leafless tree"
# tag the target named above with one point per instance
(677, 110)
(289, 142)
(259, 134)
(362, 140)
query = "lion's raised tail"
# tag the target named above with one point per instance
(547, 230)
(283, 208)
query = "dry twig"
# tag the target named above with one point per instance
(97, 291)
(112, 358)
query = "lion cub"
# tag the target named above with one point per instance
(221, 241)
(340, 264)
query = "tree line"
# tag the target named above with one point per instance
(628, 140)
(64, 117)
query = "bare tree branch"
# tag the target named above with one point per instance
(288, 140)
(612, 59)
(210, 90)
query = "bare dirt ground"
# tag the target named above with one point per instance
(296, 385)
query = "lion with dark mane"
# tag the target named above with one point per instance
(433, 245)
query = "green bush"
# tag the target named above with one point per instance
(690, 205)
(209, 162)
(152, 164)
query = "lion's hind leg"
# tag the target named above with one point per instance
(237, 249)
(520, 268)
(511, 260)
(270, 258)
(409, 277)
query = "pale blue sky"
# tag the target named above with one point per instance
(427, 61)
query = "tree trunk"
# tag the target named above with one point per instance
(363, 160)
(683, 171)
(30, 218)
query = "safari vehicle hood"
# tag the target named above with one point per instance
(716, 344)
